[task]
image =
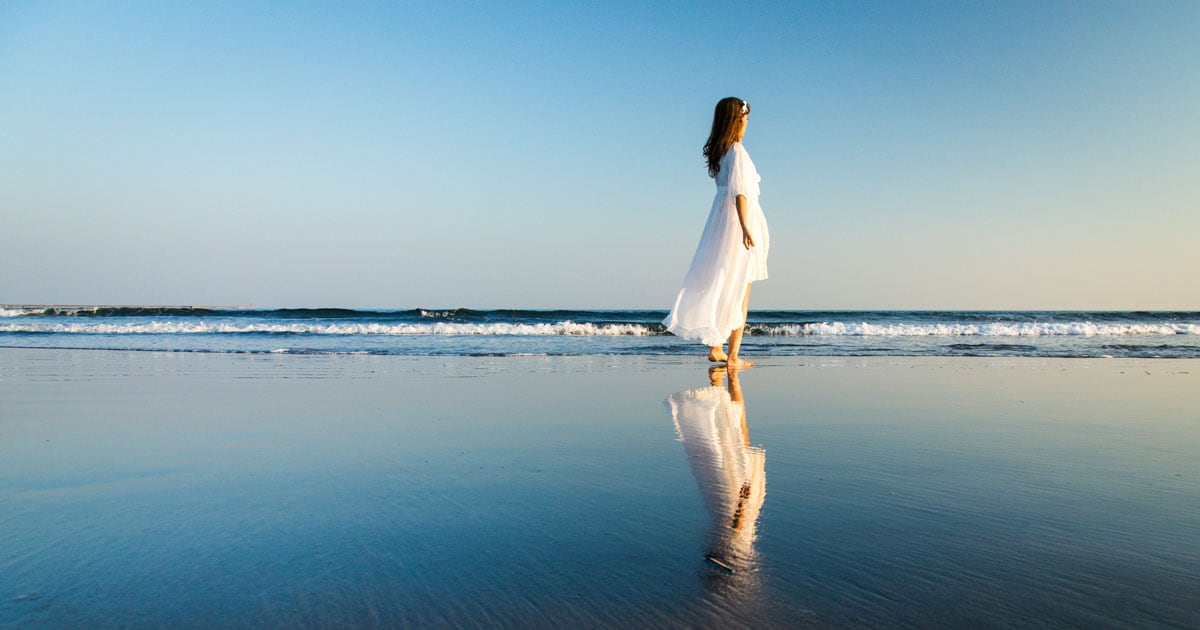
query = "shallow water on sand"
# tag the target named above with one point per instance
(148, 489)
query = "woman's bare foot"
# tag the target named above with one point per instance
(735, 363)
(716, 354)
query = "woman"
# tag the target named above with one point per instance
(712, 303)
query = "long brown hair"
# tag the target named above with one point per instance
(726, 116)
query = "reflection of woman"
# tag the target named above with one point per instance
(711, 423)
(711, 305)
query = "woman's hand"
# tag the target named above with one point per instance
(740, 203)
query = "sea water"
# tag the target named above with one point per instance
(466, 332)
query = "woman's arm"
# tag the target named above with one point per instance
(740, 202)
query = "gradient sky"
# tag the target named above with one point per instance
(960, 155)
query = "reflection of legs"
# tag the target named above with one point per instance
(716, 376)
(735, 337)
(735, 394)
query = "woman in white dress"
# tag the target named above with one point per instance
(712, 303)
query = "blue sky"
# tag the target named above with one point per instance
(546, 154)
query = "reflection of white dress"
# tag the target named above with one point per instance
(731, 475)
(709, 304)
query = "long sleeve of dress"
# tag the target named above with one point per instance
(742, 176)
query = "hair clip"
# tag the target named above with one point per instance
(745, 108)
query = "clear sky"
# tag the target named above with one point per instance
(547, 154)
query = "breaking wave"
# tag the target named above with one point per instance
(568, 327)
(233, 328)
(1040, 329)
(510, 332)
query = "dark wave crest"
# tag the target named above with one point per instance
(465, 331)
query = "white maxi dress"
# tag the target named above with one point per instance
(709, 304)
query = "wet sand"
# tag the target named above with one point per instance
(179, 489)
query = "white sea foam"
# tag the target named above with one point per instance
(1044, 329)
(15, 312)
(427, 313)
(570, 328)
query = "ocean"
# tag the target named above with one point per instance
(456, 468)
(517, 332)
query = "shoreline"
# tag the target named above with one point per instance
(695, 359)
(776, 360)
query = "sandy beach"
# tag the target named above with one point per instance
(197, 490)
